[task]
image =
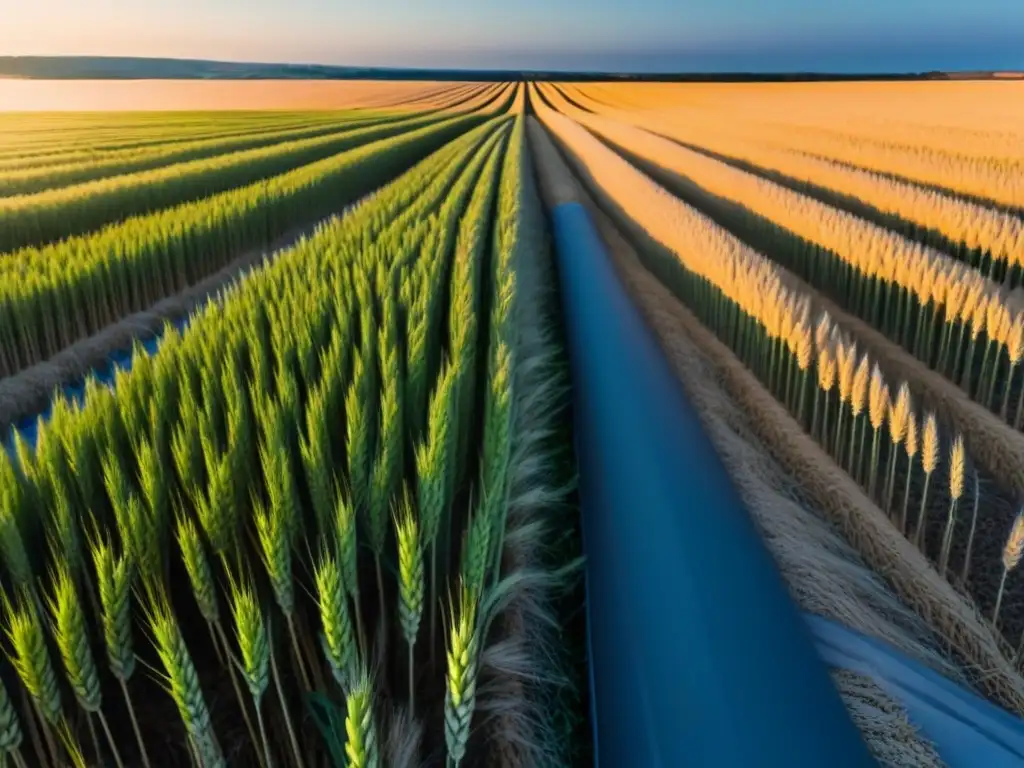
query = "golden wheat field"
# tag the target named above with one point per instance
(848, 257)
(292, 470)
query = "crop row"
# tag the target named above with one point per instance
(989, 240)
(55, 214)
(19, 154)
(946, 314)
(35, 179)
(361, 394)
(30, 180)
(907, 460)
(51, 297)
(39, 137)
(875, 114)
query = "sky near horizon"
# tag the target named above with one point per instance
(638, 35)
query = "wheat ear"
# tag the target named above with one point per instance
(10, 728)
(410, 583)
(361, 745)
(251, 634)
(929, 460)
(114, 582)
(200, 576)
(910, 446)
(339, 642)
(878, 407)
(71, 636)
(348, 559)
(204, 588)
(463, 662)
(182, 682)
(826, 383)
(12, 545)
(1012, 552)
(31, 660)
(957, 467)
(858, 395)
(899, 417)
(273, 532)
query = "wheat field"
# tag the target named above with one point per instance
(288, 474)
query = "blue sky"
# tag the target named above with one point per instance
(836, 35)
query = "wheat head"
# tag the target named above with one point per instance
(273, 533)
(197, 566)
(12, 546)
(31, 659)
(993, 318)
(347, 545)
(251, 632)
(930, 444)
(878, 399)
(463, 660)
(339, 637)
(182, 680)
(361, 746)
(821, 331)
(804, 346)
(900, 414)
(1015, 339)
(410, 570)
(826, 369)
(859, 386)
(114, 581)
(1014, 547)
(911, 443)
(847, 358)
(72, 638)
(979, 317)
(957, 463)
(10, 728)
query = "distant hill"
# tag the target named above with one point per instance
(126, 68)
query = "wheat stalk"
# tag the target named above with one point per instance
(974, 524)
(463, 661)
(361, 745)
(276, 677)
